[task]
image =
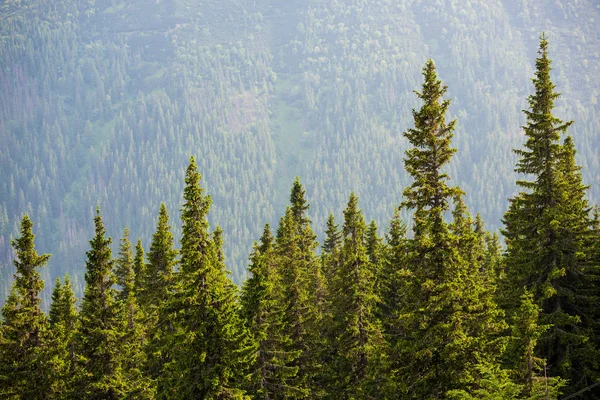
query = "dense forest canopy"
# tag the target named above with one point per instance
(102, 102)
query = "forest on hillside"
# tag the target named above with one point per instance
(437, 308)
(102, 102)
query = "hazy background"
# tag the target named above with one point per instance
(103, 102)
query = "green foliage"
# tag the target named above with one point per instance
(449, 321)
(273, 371)
(358, 342)
(154, 291)
(548, 231)
(100, 333)
(24, 324)
(209, 346)
(302, 291)
(61, 351)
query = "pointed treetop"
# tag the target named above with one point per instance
(27, 261)
(354, 221)
(332, 236)
(125, 267)
(54, 313)
(431, 140)
(298, 201)
(266, 240)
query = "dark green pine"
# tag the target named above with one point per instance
(24, 324)
(132, 324)
(393, 282)
(303, 291)
(61, 350)
(100, 332)
(162, 259)
(139, 267)
(209, 345)
(448, 322)
(548, 235)
(124, 271)
(331, 247)
(272, 373)
(155, 290)
(359, 344)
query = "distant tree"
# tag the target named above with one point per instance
(24, 324)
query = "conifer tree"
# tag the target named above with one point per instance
(272, 372)
(155, 291)
(132, 326)
(139, 268)
(547, 230)
(303, 291)
(448, 322)
(209, 344)
(100, 331)
(61, 349)
(162, 259)
(359, 343)
(24, 324)
(529, 368)
(393, 287)
(124, 273)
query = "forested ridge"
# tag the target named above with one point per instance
(102, 102)
(436, 308)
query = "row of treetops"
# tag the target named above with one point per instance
(441, 313)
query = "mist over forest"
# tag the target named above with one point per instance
(266, 199)
(103, 103)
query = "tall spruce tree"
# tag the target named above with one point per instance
(100, 333)
(547, 230)
(448, 323)
(61, 349)
(393, 290)
(24, 325)
(303, 291)
(359, 341)
(209, 344)
(139, 268)
(132, 324)
(273, 371)
(155, 290)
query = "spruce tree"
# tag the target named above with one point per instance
(61, 349)
(449, 321)
(273, 371)
(124, 273)
(209, 344)
(155, 290)
(162, 259)
(359, 342)
(132, 324)
(393, 291)
(100, 331)
(547, 230)
(139, 269)
(302, 291)
(24, 324)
